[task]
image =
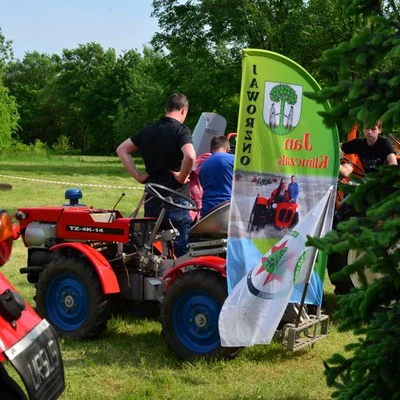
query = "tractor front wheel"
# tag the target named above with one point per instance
(190, 312)
(70, 297)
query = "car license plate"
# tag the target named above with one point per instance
(37, 358)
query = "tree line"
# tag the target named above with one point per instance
(87, 99)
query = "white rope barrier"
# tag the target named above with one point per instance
(71, 183)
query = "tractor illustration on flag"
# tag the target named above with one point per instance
(277, 211)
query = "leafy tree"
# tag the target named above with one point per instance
(368, 66)
(6, 51)
(87, 97)
(105, 99)
(141, 99)
(204, 67)
(96, 100)
(202, 41)
(28, 81)
(8, 117)
(324, 25)
(368, 90)
(8, 108)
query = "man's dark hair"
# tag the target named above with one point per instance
(176, 102)
(378, 124)
(218, 142)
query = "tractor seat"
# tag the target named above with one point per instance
(214, 222)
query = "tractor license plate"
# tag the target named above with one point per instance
(37, 359)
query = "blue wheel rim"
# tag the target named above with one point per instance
(195, 321)
(67, 302)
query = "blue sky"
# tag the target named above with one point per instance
(49, 26)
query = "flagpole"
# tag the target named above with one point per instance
(306, 285)
(313, 257)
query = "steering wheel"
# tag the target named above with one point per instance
(154, 188)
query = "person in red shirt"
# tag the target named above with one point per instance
(196, 190)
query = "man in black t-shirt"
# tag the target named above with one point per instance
(372, 150)
(167, 150)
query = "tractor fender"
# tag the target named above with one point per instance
(103, 268)
(211, 262)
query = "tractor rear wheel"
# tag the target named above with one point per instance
(366, 275)
(338, 261)
(70, 297)
(190, 312)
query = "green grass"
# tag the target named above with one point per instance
(44, 181)
(131, 360)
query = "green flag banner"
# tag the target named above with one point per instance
(285, 162)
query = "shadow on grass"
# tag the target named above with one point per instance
(133, 337)
(272, 353)
(123, 349)
(252, 397)
(123, 308)
(330, 304)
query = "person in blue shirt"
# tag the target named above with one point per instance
(293, 189)
(216, 174)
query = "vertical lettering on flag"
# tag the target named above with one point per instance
(285, 161)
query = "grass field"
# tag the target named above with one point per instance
(131, 360)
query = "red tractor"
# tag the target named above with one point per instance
(82, 258)
(282, 215)
(28, 342)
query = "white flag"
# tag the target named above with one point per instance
(253, 310)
